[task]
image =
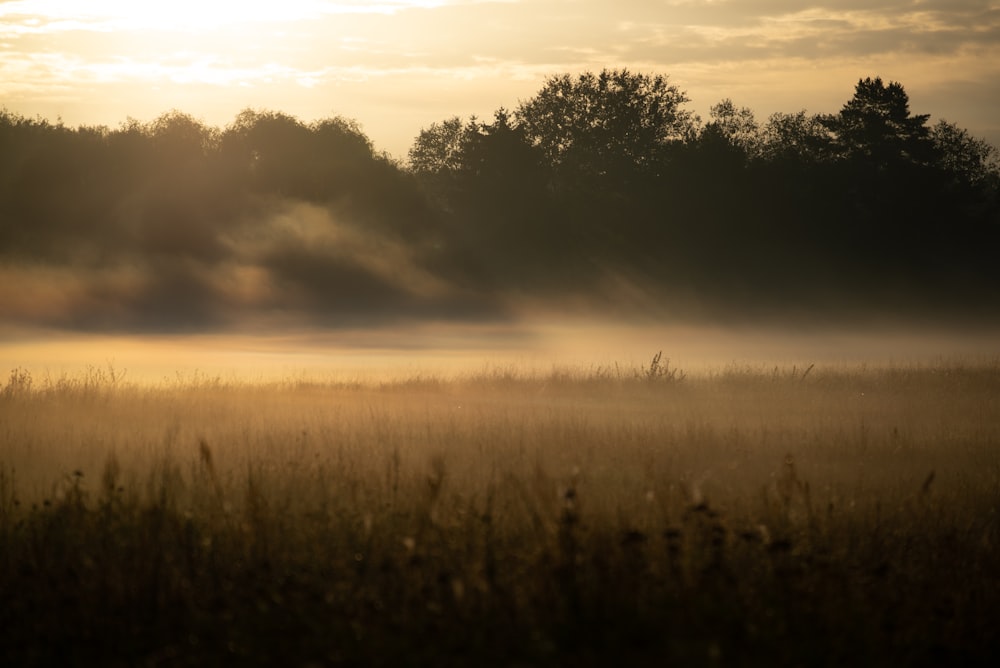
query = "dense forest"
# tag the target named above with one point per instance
(601, 192)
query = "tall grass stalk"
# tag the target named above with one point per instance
(750, 516)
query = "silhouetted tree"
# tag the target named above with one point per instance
(343, 158)
(737, 125)
(613, 124)
(500, 152)
(876, 127)
(897, 214)
(798, 138)
(275, 151)
(438, 158)
(968, 160)
(491, 184)
(180, 139)
(439, 148)
(966, 202)
(49, 185)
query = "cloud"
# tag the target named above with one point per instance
(398, 66)
(554, 33)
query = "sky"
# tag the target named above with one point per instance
(397, 66)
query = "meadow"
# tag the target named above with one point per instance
(586, 516)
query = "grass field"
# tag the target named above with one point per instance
(836, 515)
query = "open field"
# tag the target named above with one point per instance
(580, 516)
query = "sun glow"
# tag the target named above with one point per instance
(184, 42)
(34, 16)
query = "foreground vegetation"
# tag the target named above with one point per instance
(784, 516)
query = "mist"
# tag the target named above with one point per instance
(450, 350)
(629, 226)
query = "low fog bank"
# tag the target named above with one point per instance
(276, 265)
(452, 349)
(283, 264)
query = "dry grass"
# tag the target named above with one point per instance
(588, 516)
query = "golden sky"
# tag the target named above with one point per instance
(399, 65)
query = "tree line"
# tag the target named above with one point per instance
(608, 172)
(174, 184)
(599, 180)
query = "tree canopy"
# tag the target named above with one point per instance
(607, 124)
(876, 126)
(854, 204)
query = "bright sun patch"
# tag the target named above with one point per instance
(186, 15)
(185, 41)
